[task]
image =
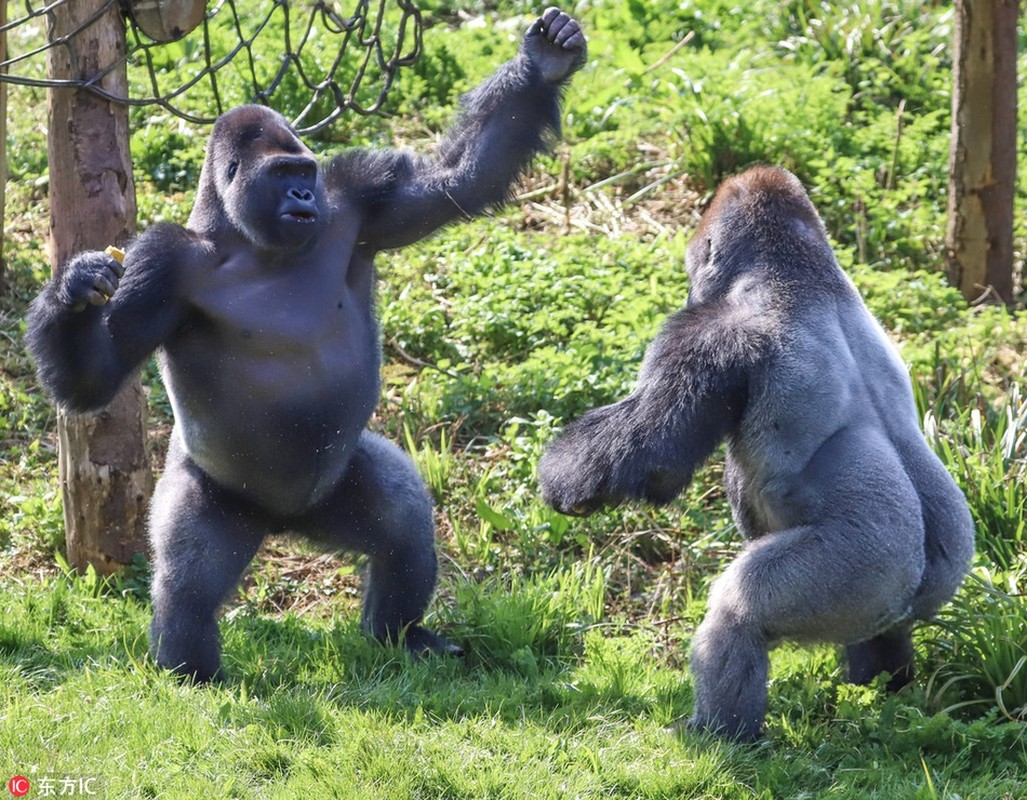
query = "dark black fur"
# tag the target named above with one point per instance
(854, 527)
(261, 311)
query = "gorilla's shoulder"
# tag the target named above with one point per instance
(170, 234)
(166, 242)
(365, 175)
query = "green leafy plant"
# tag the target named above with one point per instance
(982, 647)
(987, 453)
(520, 621)
(434, 463)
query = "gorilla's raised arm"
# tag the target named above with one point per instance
(96, 321)
(691, 395)
(502, 125)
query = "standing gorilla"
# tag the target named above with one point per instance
(262, 312)
(854, 527)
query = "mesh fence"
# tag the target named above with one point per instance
(308, 59)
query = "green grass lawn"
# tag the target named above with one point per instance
(313, 709)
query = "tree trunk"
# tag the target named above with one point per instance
(982, 155)
(105, 475)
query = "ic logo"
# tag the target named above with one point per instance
(19, 786)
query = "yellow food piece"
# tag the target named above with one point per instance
(116, 253)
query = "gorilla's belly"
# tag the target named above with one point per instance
(286, 467)
(285, 455)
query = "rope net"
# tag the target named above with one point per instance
(305, 59)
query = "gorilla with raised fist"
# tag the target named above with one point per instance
(261, 310)
(854, 529)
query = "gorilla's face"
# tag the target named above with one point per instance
(269, 182)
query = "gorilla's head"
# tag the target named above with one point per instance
(759, 221)
(261, 180)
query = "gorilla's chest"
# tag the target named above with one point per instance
(287, 306)
(275, 375)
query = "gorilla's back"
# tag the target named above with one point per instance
(834, 394)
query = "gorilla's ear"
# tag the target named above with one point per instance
(208, 211)
(805, 229)
(700, 248)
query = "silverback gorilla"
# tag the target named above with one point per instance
(854, 529)
(261, 310)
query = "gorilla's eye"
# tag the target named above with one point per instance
(232, 169)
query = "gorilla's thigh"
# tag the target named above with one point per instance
(808, 583)
(826, 582)
(381, 503)
(382, 508)
(202, 539)
(948, 540)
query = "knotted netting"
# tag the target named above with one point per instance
(325, 59)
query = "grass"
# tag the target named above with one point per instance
(314, 708)
(495, 333)
(984, 638)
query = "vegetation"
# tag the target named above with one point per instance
(495, 332)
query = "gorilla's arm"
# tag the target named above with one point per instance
(95, 322)
(503, 124)
(691, 393)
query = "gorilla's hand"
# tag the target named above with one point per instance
(608, 456)
(90, 278)
(576, 470)
(555, 44)
(566, 488)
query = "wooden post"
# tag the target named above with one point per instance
(982, 155)
(105, 473)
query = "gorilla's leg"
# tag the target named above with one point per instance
(382, 508)
(811, 583)
(891, 651)
(948, 550)
(730, 665)
(202, 540)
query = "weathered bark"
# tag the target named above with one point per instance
(982, 156)
(105, 476)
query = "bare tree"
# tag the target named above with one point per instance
(982, 156)
(105, 475)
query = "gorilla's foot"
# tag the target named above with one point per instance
(419, 641)
(198, 677)
(890, 652)
(740, 732)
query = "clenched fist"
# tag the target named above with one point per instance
(556, 44)
(90, 278)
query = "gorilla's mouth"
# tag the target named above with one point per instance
(300, 216)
